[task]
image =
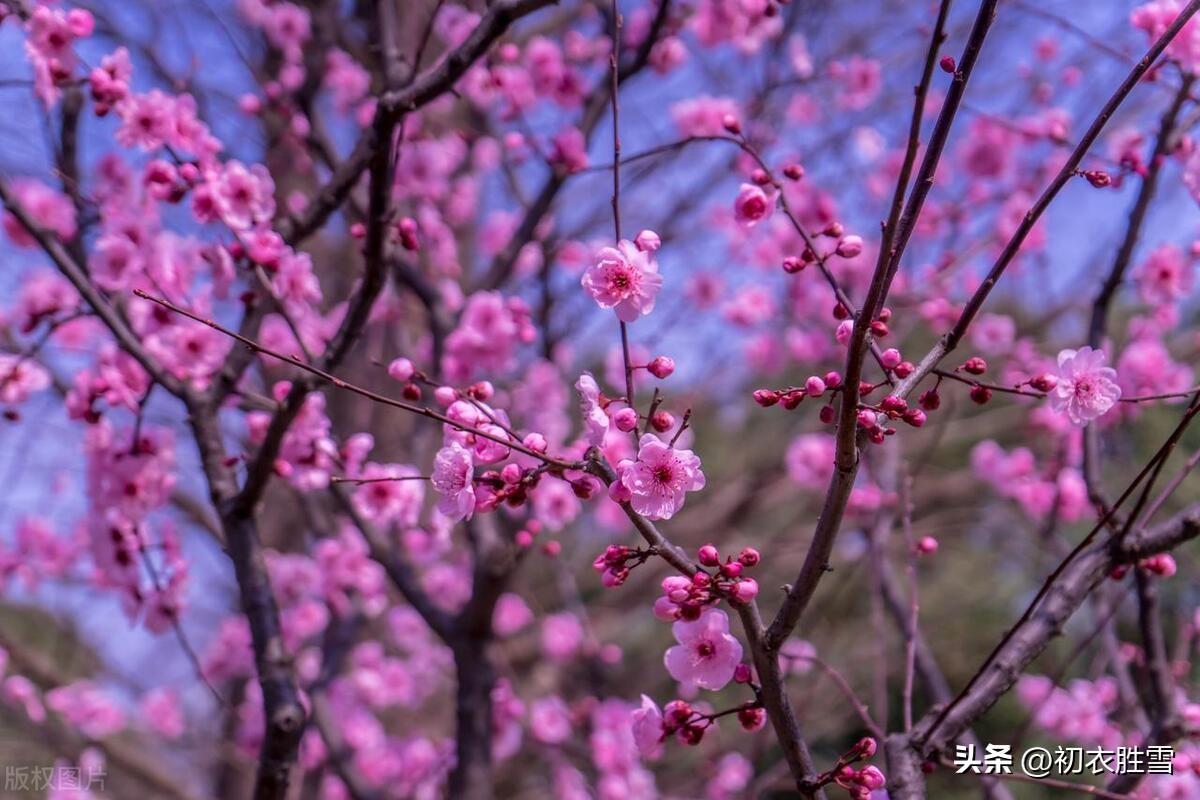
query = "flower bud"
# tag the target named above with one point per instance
(766, 397)
(749, 557)
(850, 246)
(401, 369)
(745, 590)
(930, 400)
(890, 358)
(793, 172)
(980, 394)
(709, 556)
(947, 64)
(904, 369)
(662, 421)
(661, 367)
(927, 545)
(731, 124)
(648, 241)
(975, 366)
(626, 419)
(742, 673)
(826, 415)
(814, 386)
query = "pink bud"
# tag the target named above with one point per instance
(618, 493)
(482, 390)
(731, 124)
(742, 673)
(866, 747)
(523, 539)
(915, 417)
(930, 400)
(850, 246)
(535, 442)
(890, 358)
(709, 555)
(794, 172)
(661, 367)
(904, 369)
(947, 64)
(814, 386)
(745, 590)
(401, 369)
(1044, 382)
(648, 241)
(833, 379)
(766, 397)
(662, 421)
(445, 395)
(749, 557)
(980, 394)
(826, 415)
(626, 419)
(975, 366)
(80, 22)
(732, 569)
(927, 545)
(866, 418)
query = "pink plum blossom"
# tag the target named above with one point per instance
(659, 479)
(625, 279)
(453, 479)
(707, 653)
(1086, 388)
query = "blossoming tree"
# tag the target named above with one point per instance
(528, 398)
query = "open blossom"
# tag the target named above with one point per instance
(624, 279)
(707, 654)
(1165, 276)
(659, 480)
(453, 479)
(1086, 388)
(752, 205)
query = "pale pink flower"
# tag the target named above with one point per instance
(648, 728)
(1086, 388)
(625, 279)
(1165, 276)
(659, 480)
(19, 378)
(453, 473)
(752, 205)
(550, 720)
(704, 116)
(594, 417)
(49, 210)
(161, 712)
(706, 654)
(384, 501)
(243, 196)
(809, 459)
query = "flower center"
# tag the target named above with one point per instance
(1084, 388)
(705, 649)
(663, 474)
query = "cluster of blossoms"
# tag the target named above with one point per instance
(686, 598)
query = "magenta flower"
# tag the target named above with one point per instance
(752, 205)
(648, 728)
(1086, 388)
(706, 654)
(660, 478)
(624, 279)
(453, 480)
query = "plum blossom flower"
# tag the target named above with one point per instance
(660, 478)
(707, 654)
(648, 728)
(594, 417)
(1086, 388)
(752, 205)
(624, 279)
(1165, 276)
(453, 480)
